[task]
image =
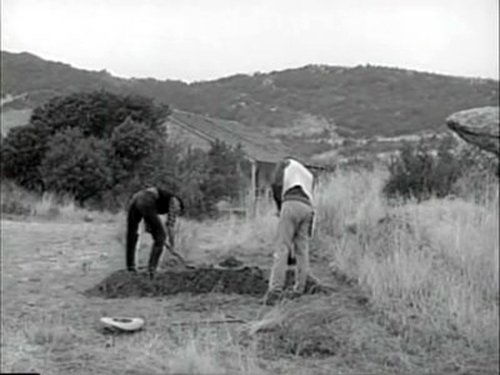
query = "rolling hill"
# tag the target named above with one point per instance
(317, 109)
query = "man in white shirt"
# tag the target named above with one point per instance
(292, 188)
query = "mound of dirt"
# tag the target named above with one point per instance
(246, 280)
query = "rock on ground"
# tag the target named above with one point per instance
(479, 126)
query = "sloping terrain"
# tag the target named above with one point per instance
(313, 108)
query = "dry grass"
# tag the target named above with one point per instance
(48, 326)
(430, 268)
(430, 271)
(58, 345)
(12, 118)
(191, 352)
(18, 202)
(213, 240)
(229, 235)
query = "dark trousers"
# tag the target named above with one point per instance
(143, 207)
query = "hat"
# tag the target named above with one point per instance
(123, 324)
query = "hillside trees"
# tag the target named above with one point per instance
(84, 143)
(97, 113)
(100, 148)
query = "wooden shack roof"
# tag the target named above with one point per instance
(255, 145)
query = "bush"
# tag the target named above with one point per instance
(223, 180)
(97, 113)
(131, 140)
(22, 152)
(192, 172)
(101, 148)
(422, 172)
(206, 178)
(84, 143)
(77, 165)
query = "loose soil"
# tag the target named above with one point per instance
(245, 280)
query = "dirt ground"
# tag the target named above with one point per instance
(194, 280)
(55, 275)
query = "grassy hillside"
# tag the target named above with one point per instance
(14, 117)
(310, 107)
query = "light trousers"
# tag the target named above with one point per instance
(294, 231)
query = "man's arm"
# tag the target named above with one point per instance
(170, 224)
(277, 191)
(277, 183)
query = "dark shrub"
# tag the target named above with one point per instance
(421, 171)
(76, 165)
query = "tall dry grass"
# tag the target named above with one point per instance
(198, 349)
(431, 268)
(212, 239)
(208, 351)
(21, 203)
(434, 265)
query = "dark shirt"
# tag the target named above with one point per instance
(162, 203)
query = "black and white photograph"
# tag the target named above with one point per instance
(260, 187)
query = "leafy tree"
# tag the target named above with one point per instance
(223, 179)
(127, 122)
(205, 178)
(192, 174)
(22, 152)
(77, 165)
(133, 141)
(97, 113)
(141, 157)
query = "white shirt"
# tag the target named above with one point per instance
(295, 174)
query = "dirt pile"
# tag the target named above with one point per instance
(243, 280)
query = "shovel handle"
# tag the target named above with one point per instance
(175, 253)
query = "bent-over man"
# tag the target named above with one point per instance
(147, 205)
(292, 189)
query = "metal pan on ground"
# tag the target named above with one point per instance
(230, 263)
(122, 324)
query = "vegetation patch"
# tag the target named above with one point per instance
(340, 327)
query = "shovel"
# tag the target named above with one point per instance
(177, 256)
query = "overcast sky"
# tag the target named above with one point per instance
(206, 39)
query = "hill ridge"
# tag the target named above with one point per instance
(310, 107)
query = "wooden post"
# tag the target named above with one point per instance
(253, 188)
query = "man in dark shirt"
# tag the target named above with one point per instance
(147, 205)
